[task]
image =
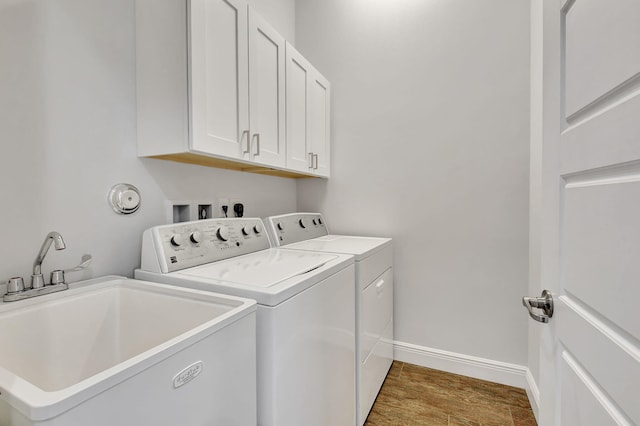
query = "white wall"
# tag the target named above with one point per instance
(68, 133)
(430, 146)
(535, 183)
(281, 14)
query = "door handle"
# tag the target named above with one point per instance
(311, 160)
(315, 159)
(544, 302)
(246, 132)
(257, 136)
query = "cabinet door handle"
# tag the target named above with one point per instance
(315, 159)
(257, 136)
(311, 160)
(379, 286)
(246, 132)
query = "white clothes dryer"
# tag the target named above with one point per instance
(305, 322)
(374, 294)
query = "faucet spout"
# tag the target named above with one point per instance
(52, 237)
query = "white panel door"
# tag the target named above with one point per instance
(298, 82)
(218, 62)
(319, 124)
(589, 103)
(266, 92)
(308, 123)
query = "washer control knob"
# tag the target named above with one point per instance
(246, 230)
(222, 233)
(177, 240)
(301, 222)
(281, 226)
(257, 228)
(196, 237)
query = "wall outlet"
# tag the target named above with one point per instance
(220, 210)
(236, 211)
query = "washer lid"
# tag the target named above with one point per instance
(261, 269)
(358, 246)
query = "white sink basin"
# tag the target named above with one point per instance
(59, 351)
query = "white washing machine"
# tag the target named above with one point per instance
(374, 294)
(305, 322)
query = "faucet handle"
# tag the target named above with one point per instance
(15, 285)
(57, 277)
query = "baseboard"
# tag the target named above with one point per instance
(533, 393)
(466, 365)
(470, 366)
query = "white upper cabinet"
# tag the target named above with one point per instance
(308, 100)
(267, 92)
(319, 124)
(211, 90)
(219, 73)
(299, 155)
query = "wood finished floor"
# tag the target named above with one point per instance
(413, 395)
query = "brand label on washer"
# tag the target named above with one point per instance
(187, 375)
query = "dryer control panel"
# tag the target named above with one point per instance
(294, 227)
(169, 248)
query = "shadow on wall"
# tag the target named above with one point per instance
(262, 195)
(315, 189)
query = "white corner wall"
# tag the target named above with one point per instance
(430, 146)
(281, 14)
(68, 133)
(535, 194)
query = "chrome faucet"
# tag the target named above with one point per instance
(37, 280)
(16, 288)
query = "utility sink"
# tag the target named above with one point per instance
(120, 351)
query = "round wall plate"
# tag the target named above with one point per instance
(124, 198)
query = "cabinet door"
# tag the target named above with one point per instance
(266, 92)
(308, 124)
(218, 65)
(298, 77)
(319, 123)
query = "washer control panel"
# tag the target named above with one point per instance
(169, 248)
(294, 227)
